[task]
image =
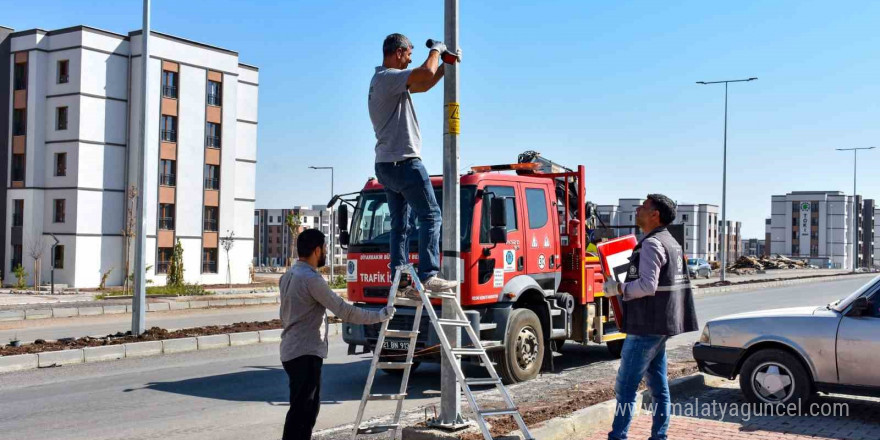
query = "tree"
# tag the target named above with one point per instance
(175, 266)
(36, 246)
(294, 223)
(128, 232)
(228, 242)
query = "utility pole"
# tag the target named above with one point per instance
(855, 234)
(332, 224)
(139, 299)
(724, 178)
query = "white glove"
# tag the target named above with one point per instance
(439, 46)
(611, 288)
(387, 312)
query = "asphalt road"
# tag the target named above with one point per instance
(241, 392)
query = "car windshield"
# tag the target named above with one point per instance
(693, 261)
(371, 224)
(841, 305)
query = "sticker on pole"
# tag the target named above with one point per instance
(351, 270)
(453, 122)
(509, 258)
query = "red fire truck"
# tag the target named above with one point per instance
(529, 282)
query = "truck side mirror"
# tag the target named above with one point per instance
(498, 233)
(342, 217)
(343, 238)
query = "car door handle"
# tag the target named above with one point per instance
(520, 264)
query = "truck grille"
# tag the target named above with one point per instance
(376, 292)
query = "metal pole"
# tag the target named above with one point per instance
(332, 233)
(724, 197)
(855, 258)
(450, 393)
(139, 299)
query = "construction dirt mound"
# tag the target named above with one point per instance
(749, 265)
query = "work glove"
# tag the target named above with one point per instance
(611, 288)
(439, 46)
(387, 312)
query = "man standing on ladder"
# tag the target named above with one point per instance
(399, 166)
(657, 303)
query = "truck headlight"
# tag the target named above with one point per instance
(704, 337)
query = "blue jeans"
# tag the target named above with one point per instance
(410, 194)
(642, 356)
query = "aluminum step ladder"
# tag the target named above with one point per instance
(477, 350)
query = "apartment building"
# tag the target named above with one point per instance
(819, 226)
(273, 246)
(701, 230)
(734, 240)
(752, 247)
(75, 144)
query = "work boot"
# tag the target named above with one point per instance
(406, 290)
(437, 284)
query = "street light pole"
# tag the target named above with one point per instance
(724, 237)
(855, 205)
(332, 223)
(139, 297)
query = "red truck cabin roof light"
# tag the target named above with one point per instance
(507, 167)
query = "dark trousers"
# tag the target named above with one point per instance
(304, 374)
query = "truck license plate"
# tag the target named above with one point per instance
(396, 345)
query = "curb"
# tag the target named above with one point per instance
(69, 312)
(104, 353)
(769, 284)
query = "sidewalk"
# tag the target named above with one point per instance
(770, 275)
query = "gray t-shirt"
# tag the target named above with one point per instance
(394, 118)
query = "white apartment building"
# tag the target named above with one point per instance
(701, 230)
(816, 225)
(75, 142)
(272, 245)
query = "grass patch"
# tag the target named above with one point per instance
(182, 290)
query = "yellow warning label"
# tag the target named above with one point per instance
(452, 118)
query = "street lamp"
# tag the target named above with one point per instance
(724, 178)
(855, 207)
(332, 224)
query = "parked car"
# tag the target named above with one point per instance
(786, 355)
(698, 267)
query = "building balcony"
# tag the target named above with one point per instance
(210, 225)
(169, 92)
(63, 79)
(168, 179)
(168, 135)
(209, 267)
(212, 141)
(166, 223)
(17, 220)
(162, 266)
(212, 183)
(20, 85)
(214, 99)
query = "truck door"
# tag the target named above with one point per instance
(502, 264)
(541, 244)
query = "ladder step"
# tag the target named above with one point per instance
(387, 397)
(377, 429)
(401, 333)
(475, 382)
(488, 326)
(468, 351)
(407, 302)
(392, 365)
(442, 296)
(498, 412)
(489, 345)
(454, 322)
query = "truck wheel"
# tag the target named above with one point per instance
(615, 348)
(396, 372)
(523, 348)
(775, 377)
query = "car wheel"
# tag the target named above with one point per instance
(775, 377)
(615, 348)
(523, 352)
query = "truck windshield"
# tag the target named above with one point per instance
(371, 223)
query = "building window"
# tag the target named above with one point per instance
(60, 164)
(169, 84)
(209, 260)
(19, 122)
(58, 258)
(684, 217)
(61, 118)
(167, 172)
(212, 178)
(59, 213)
(166, 216)
(63, 71)
(214, 97)
(18, 167)
(16, 256)
(164, 260)
(168, 126)
(17, 213)
(212, 135)
(20, 76)
(211, 218)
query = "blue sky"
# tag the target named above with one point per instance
(605, 84)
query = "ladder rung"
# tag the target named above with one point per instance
(442, 296)
(488, 326)
(468, 351)
(498, 412)
(476, 382)
(387, 396)
(392, 365)
(407, 302)
(401, 333)
(491, 344)
(377, 429)
(454, 322)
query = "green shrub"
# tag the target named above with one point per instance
(184, 289)
(21, 276)
(339, 282)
